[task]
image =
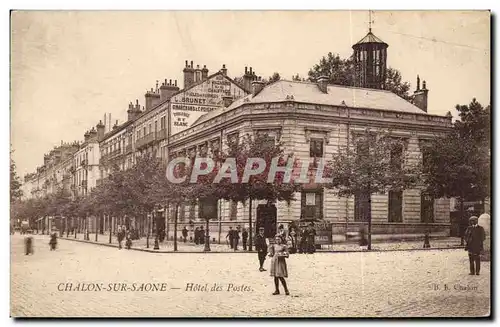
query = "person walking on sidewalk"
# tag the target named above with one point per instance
(236, 238)
(53, 241)
(120, 235)
(244, 237)
(278, 253)
(196, 236)
(474, 237)
(185, 234)
(230, 236)
(261, 248)
(202, 235)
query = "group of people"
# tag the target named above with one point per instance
(284, 244)
(123, 234)
(233, 238)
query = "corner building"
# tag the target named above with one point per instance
(313, 120)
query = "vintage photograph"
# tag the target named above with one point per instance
(257, 164)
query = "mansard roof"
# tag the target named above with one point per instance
(337, 95)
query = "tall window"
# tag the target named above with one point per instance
(312, 204)
(150, 130)
(233, 210)
(426, 208)
(162, 122)
(156, 126)
(361, 206)
(316, 148)
(395, 206)
(192, 209)
(144, 132)
(397, 156)
(182, 212)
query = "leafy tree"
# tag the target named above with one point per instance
(342, 72)
(376, 164)
(257, 187)
(298, 78)
(15, 183)
(458, 164)
(274, 78)
(142, 183)
(176, 193)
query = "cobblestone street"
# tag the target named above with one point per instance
(374, 284)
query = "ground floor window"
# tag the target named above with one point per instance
(312, 204)
(395, 206)
(233, 210)
(207, 209)
(426, 208)
(361, 206)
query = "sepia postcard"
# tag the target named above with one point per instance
(257, 164)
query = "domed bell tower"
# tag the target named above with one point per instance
(370, 59)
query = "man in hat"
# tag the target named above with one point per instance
(261, 247)
(474, 237)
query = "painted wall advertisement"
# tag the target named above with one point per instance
(188, 106)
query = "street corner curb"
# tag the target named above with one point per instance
(253, 252)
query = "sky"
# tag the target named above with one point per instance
(70, 68)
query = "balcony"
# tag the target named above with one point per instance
(146, 140)
(161, 135)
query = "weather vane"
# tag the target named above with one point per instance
(370, 21)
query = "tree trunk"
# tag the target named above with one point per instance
(250, 232)
(110, 222)
(207, 236)
(147, 236)
(370, 222)
(175, 225)
(461, 223)
(96, 225)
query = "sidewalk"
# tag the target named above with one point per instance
(189, 247)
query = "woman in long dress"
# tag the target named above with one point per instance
(279, 252)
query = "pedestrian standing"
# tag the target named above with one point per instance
(119, 235)
(278, 253)
(474, 237)
(311, 233)
(230, 237)
(202, 235)
(290, 242)
(261, 248)
(196, 236)
(236, 238)
(53, 241)
(185, 234)
(244, 237)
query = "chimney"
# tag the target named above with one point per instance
(188, 75)
(248, 78)
(93, 134)
(257, 86)
(133, 111)
(100, 128)
(323, 83)
(115, 126)
(420, 96)
(152, 99)
(204, 73)
(227, 100)
(167, 90)
(197, 74)
(224, 70)
(86, 136)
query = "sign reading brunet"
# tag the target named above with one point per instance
(187, 107)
